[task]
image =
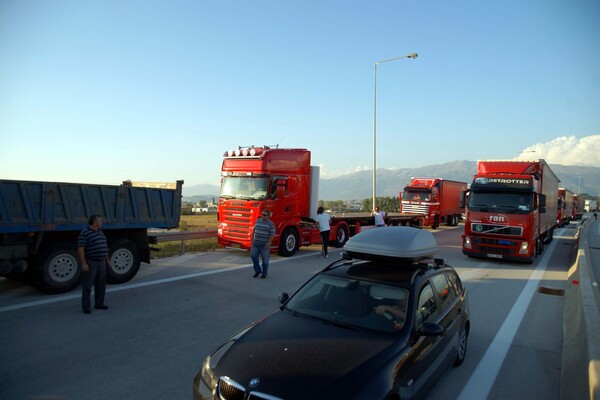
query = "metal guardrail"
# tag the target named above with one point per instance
(183, 237)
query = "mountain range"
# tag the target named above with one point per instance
(391, 181)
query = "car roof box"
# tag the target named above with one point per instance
(394, 243)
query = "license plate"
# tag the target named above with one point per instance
(504, 242)
(494, 255)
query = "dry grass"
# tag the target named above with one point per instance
(190, 223)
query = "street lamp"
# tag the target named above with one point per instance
(413, 56)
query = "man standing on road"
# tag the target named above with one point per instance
(262, 236)
(323, 222)
(93, 254)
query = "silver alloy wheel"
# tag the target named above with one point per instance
(122, 261)
(62, 267)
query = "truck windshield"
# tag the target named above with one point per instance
(244, 187)
(506, 202)
(416, 196)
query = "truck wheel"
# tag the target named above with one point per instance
(549, 236)
(288, 243)
(539, 246)
(124, 261)
(341, 235)
(57, 268)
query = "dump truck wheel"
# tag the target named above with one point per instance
(57, 268)
(124, 261)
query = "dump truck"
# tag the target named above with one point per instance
(40, 223)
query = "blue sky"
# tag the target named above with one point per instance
(103, 91)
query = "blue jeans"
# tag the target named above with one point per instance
(264, 254)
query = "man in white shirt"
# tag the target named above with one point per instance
(378, 217)
(323, 220)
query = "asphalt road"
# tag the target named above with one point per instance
(161, 325)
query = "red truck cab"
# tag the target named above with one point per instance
(511, 211)
(263, 178)
(434, 201)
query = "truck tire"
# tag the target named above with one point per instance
(341, 235)
(452, 220)
(549, 236)
(539, 246)
(124, 261)
(288, 242)
(57, 268)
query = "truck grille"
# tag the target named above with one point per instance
(238, 222)
(415, 208)
(228, 389)
(496, 246)
(497, 229)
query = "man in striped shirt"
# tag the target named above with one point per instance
(262, 236)
(93, 254)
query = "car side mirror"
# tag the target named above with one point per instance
(431, 329)
(283, 297)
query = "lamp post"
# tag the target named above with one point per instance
(413, 56)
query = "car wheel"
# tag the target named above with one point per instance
(461, 350)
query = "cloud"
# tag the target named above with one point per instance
(566, 150)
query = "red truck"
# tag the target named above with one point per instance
(566, 207)
(578, 205)
(434, 200)
(283, 182)
(511, 210)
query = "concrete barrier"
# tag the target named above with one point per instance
(580, 372)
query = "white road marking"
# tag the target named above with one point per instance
(481, 381)
(112, 289)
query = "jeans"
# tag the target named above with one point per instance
(264, 254)
(324, 240)
(96, 276)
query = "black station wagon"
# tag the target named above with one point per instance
(383, 322)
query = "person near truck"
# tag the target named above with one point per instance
(378, 217)
(323, 223)
(93, 254)
(262, 236)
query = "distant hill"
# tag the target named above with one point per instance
(391, 181)
(196, 193)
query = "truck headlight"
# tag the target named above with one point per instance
(524, 248)
(467, 242)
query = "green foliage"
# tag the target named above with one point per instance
(387, 204)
